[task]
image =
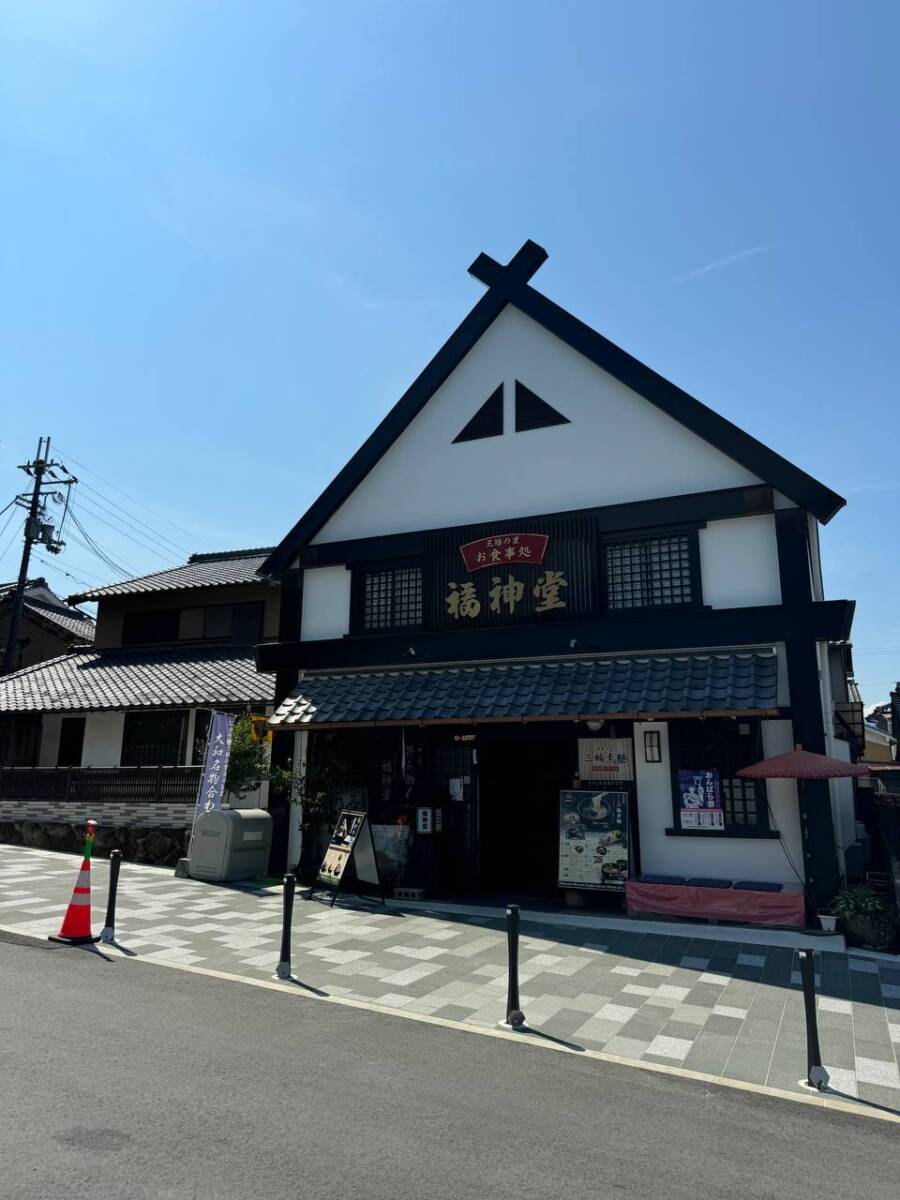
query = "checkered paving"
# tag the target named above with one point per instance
(717, 1007)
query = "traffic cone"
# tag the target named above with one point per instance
(76, 926)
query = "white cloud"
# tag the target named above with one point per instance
(730, 260)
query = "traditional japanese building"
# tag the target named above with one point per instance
(548, 610)
(111, 730)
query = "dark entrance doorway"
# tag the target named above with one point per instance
(521, 770)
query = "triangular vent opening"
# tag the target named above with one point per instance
(487, 422)
(534, 413)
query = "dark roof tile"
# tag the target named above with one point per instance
(567, 687)
(137, 678)
(200, 570)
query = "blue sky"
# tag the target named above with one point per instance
(233, 233)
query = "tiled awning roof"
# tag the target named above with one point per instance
(160, 677)
(560, 690)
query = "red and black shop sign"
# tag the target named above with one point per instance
(511, 574)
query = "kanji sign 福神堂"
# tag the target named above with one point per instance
(507, 595)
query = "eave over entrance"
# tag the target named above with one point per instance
(569, 689)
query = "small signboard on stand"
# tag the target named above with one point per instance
(350, 843)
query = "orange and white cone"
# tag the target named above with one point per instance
(76, 926)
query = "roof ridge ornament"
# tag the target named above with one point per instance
(527, 260)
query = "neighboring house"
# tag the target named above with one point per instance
(881, 747)
(169, 648)
(880, 717)
(48, 626)
(550, 567)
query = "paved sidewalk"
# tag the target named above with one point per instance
(721, 1008)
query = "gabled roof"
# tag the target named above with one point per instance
(509, 285)
(158, 677)
(200, 570)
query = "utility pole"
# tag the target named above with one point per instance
(36, 530)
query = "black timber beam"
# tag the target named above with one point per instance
(828, 620)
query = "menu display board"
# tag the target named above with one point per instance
(700, 800)
(352, 837)
(605, 758)
(593, 840)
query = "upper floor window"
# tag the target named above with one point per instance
(389, 598)
(153, 626)
(238, 623)
(651, 572)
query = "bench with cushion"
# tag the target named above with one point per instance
(748, 901)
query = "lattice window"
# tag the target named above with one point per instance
(721, 745)
(649, 572)
(392, 599)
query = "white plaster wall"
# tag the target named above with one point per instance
(843, 801)
(815, 566)
(103, 739)
(618, 446)
(326, 603)
(739, 562)
(51, 726)
(720, 858)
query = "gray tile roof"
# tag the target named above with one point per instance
(140, 678)
(200, 570)
(70, 622)
(565, 688)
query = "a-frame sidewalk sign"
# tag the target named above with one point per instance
(351, 839)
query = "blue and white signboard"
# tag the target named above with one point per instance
(215, 763)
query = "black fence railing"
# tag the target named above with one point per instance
(101, 785)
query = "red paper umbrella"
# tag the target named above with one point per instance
(802, 764)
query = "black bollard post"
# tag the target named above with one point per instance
(816, 1075)
(515, 1018)
(108, 933)
(283, 970)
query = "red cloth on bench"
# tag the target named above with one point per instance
(724, 904)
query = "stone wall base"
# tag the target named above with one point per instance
(149, 816)
(138, 843)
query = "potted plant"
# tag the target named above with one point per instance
(827, 919)
(866, 918)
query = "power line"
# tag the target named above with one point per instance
(133, 533)
(98, 550)
(16, 532)
(8, 519)
(142, 527)
(71, 574)
(134, 500)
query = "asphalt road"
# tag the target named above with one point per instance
(129, 1080)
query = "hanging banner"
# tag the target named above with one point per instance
(605, 758)
(700, 800)
(593, 840)
(215, 763)
(352, 838)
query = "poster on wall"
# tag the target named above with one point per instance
(593, 840)
(700, 799)
(605, 758)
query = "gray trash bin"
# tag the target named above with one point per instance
(231, 843)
